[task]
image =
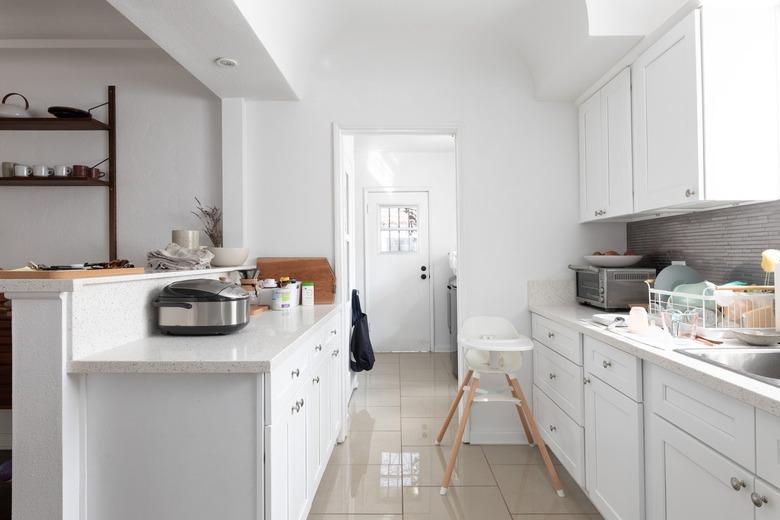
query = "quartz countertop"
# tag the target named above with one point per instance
(257, 348)
(745, 389)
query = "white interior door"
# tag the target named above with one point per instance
(397, 266)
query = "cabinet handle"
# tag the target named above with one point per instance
(596, 213)
(690, 193)
(296, 373)
(552, 375)
(316, 380)
(586, 381)
(334, 332)
(318, 348)
(758, 500)
(553, 428)
(737, 484)
(606, 364)
(296, 408)
(335, 353)
(551, 335)
(301, 403)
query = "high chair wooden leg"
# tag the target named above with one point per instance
(454, 406)
(459, 436)
(531, 441)
(556, 483)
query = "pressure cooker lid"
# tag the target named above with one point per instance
(202, 290)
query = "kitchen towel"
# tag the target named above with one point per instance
(177, 258)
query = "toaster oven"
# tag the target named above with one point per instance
(612, 288)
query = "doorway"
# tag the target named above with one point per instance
(397, 223)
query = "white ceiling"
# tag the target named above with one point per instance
(65, 19)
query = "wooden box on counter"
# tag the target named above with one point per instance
(309, 269)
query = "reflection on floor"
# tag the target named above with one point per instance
(389, 468)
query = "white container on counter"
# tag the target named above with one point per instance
(286, 297)
(307, 294)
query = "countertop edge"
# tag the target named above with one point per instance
(732, 384)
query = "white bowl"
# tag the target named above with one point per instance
(228, 256)
(757, 337)
(613, 260)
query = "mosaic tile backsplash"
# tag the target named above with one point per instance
(724, 245)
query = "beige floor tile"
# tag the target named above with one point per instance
(375, 419)
(426, 374)
(425, 466)
(433, 388)
(556, 517)
(355, 517)
(363, 397)
(460, 503)
(503, 454)
(371, 380)
(368, 448)
(359, 489)
(422, 431)
(387, 357)
(527, 490)
(427, 407)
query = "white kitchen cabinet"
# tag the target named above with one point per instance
(316, 433)
(606, 181)
(686, 479)
(767, 501)
(705, 111)
(614, 452)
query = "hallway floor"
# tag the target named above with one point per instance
(390, 469)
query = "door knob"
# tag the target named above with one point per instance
(424, 276)
(423, 268)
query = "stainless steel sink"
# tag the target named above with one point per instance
(762, 364)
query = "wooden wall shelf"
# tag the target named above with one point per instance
(77, 124)
(51, 123)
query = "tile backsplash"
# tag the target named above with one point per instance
(724, 245)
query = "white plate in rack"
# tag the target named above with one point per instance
(613, 260)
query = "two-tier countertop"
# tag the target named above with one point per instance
(258, 347)
(745, 389)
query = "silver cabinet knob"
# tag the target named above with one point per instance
(296, 407)
(737, 484)
(758, 500)
(690, 193)
(596, 213)
(301, 403)
(606, 364)
(333, 332)
(551, 335)
(296, 373)
(316, 380)
(553, 428)
(551, 375)
(586, 381)
(335, 353)
(318, 348)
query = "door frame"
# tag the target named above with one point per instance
(364, 206)
(340, 203)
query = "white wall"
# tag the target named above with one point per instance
(433, 170)
(518, 162)
(168, 141)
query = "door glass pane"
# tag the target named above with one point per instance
(384, 217)
(398, 229)
(384, 241)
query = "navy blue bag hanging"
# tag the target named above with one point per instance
(361, 352)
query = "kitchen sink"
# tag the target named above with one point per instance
(762, 364)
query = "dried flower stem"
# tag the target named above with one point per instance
(211, 217)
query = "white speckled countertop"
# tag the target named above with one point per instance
(256, 348)
(748, 390)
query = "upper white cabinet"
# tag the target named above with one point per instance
(605, 151)
(705, 111)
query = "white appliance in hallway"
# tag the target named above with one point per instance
(397, 270)
(452, 322)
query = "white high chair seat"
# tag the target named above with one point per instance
(491, 344)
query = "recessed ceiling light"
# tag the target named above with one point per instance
(226, 62)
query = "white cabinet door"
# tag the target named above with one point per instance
(618, 157)
(667, 119)
(686, 479)
(593, 179)
(614, 452)
(326, 409)
(337, 368)
(297, 492)
(767, 501)
(314, 431)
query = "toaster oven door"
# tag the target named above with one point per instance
(589, 286)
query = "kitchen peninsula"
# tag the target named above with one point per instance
(114, 420)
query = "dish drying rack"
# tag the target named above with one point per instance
(719, 307)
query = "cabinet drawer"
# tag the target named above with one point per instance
(723, 423)
(565, 342)
(564, 437)
(621, 371)
(768, 447)
(293, 369)
(770, 499)
(560, 379)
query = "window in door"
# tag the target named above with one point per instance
(398, 229)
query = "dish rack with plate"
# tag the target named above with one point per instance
(724, 307)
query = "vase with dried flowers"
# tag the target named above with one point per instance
(211, 218)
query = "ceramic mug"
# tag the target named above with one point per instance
(94, 173)
(41, 170)
(62, 170)
(8, 169)
(22, 170)
(80, 170)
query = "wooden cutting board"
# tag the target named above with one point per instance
(303, 269)
(67, 274)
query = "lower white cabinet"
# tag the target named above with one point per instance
(614, 452)
(686, 479)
